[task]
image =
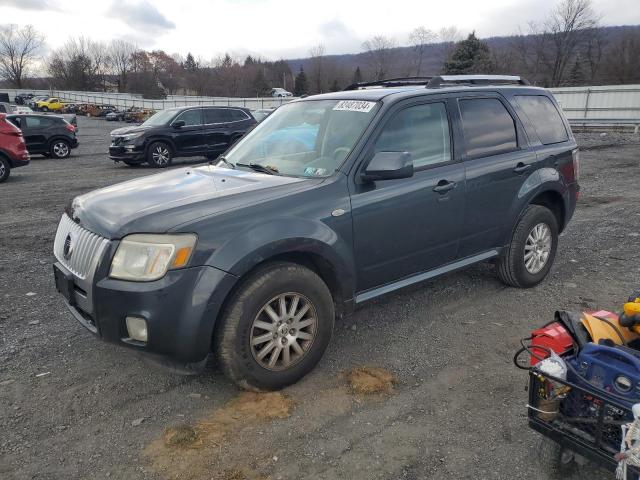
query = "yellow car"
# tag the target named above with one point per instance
(50, 104)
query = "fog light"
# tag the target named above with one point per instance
(137, 328)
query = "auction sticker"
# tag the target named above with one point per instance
(354, 106)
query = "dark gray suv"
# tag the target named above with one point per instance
(331, 201)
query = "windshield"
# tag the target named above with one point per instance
(310, 138)
(160, 118)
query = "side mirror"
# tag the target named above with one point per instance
(389, 166)
(178, 124)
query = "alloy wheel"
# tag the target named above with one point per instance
(283, 331)
(537, 248)
(3, 169)
(60, 149)
(161, 156)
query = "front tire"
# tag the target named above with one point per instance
(526, 261)
(60, 149)
(45, 109)
(159, 155)
(5, 169)
(275, 328)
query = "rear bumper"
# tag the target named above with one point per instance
(180, 310)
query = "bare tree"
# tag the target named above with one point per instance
(379, 55)
(622, 65)
(19, 49)
(317, 70)
(80, 64)
(566, 30)
(419, 38)
(121, 54)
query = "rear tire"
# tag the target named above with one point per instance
(159, 155)
(556, 459)
(5, 169)
(45, 109)
(256, 349)
(60, 149)
(526, 261)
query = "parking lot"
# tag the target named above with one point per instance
(74, 408)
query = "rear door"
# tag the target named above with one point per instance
(498, 160)
(189, 139)
(35, 129)
(217, 129)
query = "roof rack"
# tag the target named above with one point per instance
(391, 82)
(473, 80)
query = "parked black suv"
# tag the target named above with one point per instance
(180, 132)
(329, 202)
(48, 135)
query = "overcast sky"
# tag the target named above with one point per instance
(277, 29)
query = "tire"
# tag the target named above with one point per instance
(513, 269)
(45, 109)
(159, 155)
(59, 149)
(556, 459)
(5, 169)
(245, 316)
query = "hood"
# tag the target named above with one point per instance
(132, 129)
(158, 203)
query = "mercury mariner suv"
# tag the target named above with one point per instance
(331, 201)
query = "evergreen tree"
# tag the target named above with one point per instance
(334, 86)
(260, 84)
(357, 75)
(469, 56)
(301, 87)
(576, 75)
(190, 63)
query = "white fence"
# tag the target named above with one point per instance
(603, 102)
(125, 100)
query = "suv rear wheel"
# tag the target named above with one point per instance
(276, 327)
(5, 169)
(59, 149)
(159, 155)
(526, 261)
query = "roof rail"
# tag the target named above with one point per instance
(390, 82)
(449, 80)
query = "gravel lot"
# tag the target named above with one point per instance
(74, 408)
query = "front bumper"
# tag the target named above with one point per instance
(119, 153)
(180, 310)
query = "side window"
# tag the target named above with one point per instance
(216, 115)
(38, 122)
(545, 118)
(422, 130)
(488, 127)
(191, 117)
(237, 115)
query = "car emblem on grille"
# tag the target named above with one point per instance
(67, 250)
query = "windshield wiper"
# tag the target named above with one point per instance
(259, 168)
(227, 162)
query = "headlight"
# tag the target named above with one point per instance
(147, 257)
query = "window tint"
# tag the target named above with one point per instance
(422, 130)
(191, 117)
(39, 122)
(546, 120)
(216, 115)
(237, 115)
(488, 127)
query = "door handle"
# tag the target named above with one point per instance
(444, 186)
(521, 168)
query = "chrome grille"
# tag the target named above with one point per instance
(76, 248)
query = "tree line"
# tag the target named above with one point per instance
(569, 47)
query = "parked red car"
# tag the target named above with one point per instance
(13, 149)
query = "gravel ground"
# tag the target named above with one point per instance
(73, 408)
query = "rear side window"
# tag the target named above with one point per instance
(545, 118)
(422, 130)
(216, 115)
(237, 115)
(39, 122)
(488, 127)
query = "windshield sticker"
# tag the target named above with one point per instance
(315, 172)
(354, 106)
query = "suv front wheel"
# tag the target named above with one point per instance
(526, 261)
(159, 155)
(276, 327)
(5, 169)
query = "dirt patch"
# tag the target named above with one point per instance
(370, 380)
(191, 452)
(595, 201)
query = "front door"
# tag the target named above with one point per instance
(407, 226)
(189, 139)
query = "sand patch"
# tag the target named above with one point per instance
(370, 380)
(188, 452)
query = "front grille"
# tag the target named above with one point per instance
(76, 248)
(117, 140)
